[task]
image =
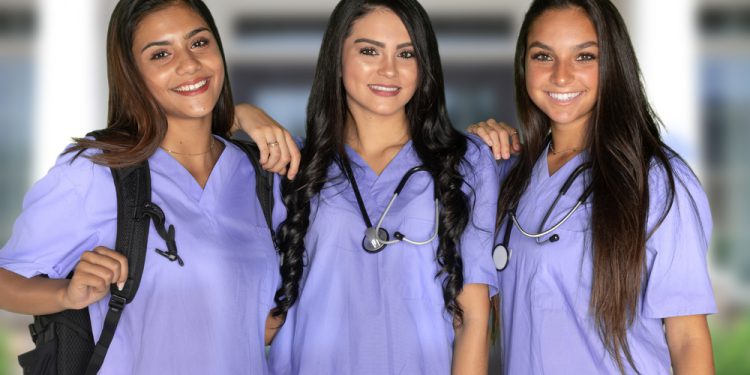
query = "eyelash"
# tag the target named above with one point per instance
(369, 51)
(200, 43)
(540, 56)
(407, 54)
(158, 55)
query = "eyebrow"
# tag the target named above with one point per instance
(381, 44)
(548, 48)
(165, 43)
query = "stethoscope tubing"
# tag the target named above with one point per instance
(548, 231)
(564, 190)
(398, 236)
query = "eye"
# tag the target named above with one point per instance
(200, 43)
(541, 56)
(158, 55)
(586, 57)
(369, 51)
(408, 54)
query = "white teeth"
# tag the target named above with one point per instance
(192, 87)
(383, 88)
(565, 96)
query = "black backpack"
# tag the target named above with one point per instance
(64, 341)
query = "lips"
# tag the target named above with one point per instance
(384, 90)
(564, 97)
(193, 88)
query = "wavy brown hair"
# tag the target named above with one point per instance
(624, 142)
(136, 124)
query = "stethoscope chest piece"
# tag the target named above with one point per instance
(375, 239)
(501, 256)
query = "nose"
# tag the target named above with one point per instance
(562, 74)
(188, 64)
(388, 67)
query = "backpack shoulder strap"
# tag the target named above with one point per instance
(133, 187)
(263, 182)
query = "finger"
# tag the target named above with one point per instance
(501, 132)
(105, 262)
(259, 138)
(83, 281)
(481, 132)
(264, 152)
(274, 154)
(516, 141)
(498, 146)
(284, 156)
(122, 261)
(296, 157)
(486, 137)
(92, 275)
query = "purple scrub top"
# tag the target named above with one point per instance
(362, 313)
(545, 290)
(207, 317)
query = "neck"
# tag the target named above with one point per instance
(568, 138)
(567, 142)
(193, 146)
(376, 134)
(377, 140)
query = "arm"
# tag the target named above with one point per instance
(471, 346)
(273, 324)
(689, 343)
(93, 275)
(278, 151)
(501, 137)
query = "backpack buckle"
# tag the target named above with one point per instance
(117, 302)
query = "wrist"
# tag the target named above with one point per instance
(61, 294)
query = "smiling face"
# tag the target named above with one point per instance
(562, 68)
(379, 67)
(179, 59)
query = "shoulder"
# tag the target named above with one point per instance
(685, 180)
(77, 170)
(687, 196)
(478, 159)
(478, 154)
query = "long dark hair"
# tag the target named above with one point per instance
(136, 124)
(624, 142)
(439, 146)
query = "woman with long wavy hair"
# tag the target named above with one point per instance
(621, 284)
(376, 110)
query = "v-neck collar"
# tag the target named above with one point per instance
(363, 171)
(541, 169)
(164, 163)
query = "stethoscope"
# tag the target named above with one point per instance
(501, 253)
(376, 237)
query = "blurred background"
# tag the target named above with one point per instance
(695, 57)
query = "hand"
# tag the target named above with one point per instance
(278, 151)
(501, 137)
(95, 272)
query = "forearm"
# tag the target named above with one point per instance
(31, 296)
(689, 344)
(273, 324)
(471, 346)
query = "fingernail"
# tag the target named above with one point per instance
(120, 285)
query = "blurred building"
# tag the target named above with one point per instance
(725, 98)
